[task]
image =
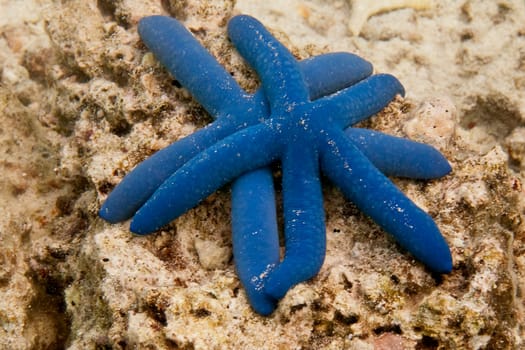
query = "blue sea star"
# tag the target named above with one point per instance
(300, 128)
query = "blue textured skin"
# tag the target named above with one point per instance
(220, 95)
(298, 129)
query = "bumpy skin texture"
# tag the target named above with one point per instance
(298, 119)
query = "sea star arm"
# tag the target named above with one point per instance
(331, 72)
(255, 235)
(246, 150)
(360, 101)
(194, 67)
(254, 222)
(378, 198)
(176, 48)
(139, 184)
(262, 139)
(191, 64)
(304, 232)
(282, 80)
(199, 72)
(399, 157)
